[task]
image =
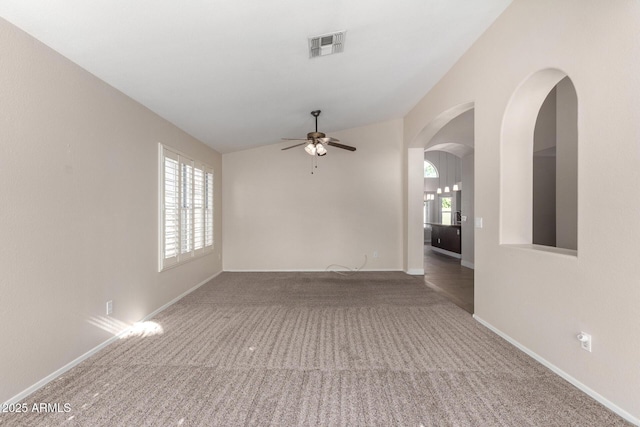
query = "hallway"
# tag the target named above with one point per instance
(446, 276)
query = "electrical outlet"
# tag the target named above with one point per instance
(109, 308)
(375, 254)
(585, 341)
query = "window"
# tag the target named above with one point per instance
(186, 208)
(427, 212)
(430, 170)
(445, 204)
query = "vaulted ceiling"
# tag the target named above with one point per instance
(237, 73)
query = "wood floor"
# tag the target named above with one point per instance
(446, 276)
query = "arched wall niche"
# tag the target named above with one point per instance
(516, 155)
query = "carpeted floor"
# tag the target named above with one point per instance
(314, 349)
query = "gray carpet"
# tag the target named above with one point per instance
(314, 349)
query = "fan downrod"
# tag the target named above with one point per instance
(316, 113)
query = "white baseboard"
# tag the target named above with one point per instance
(23, 394)
(35, 387)
(310, 270)
(590, 392)
(179, 297)
(446, 252)
(467, 264)
(415, 271)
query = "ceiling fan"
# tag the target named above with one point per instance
(316, 141)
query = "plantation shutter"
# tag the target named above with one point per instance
(208, 207)
(170, 208)
(186, 208)
(198, 209)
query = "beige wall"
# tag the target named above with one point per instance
(567, 166)
(278, 216)
(468, 192)
(79, 211)
(544, 136)
(544, 200)
(542, 299)
(414, 255)
(544, 173)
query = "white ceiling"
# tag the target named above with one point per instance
(236, 73)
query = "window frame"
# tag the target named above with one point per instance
(185, 208)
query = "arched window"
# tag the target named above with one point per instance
(430, 171)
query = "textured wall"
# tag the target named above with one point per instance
(79, 211)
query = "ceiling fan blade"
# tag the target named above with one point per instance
(344, 147)
(328, 139)
(297, 145)
(293, 139)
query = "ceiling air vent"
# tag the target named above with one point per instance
(326, 44)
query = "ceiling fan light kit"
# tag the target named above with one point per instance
(316, 142)
(310, 149)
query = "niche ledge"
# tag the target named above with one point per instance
(541, 248)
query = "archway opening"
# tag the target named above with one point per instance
(448, 250)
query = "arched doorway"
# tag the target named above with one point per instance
(448, 144)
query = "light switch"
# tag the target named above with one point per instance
(479, 222)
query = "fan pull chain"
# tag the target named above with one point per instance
(314, 163)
